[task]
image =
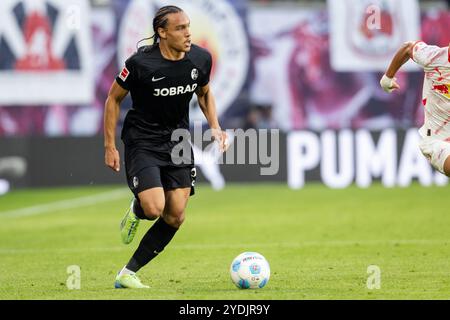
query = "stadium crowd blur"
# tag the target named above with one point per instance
(260, 104)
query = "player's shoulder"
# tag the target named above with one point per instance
(423, 46)
(418, 44)
(429, 54)
(142, 53)
(199, 53)
(147, 50)
(201, 58)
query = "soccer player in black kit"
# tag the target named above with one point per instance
(162, 79)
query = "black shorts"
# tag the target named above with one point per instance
(146, 169)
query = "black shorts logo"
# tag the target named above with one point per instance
(193, 176)
(135, 182)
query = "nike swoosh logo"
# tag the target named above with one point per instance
(154, 80)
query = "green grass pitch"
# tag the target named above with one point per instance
(319, 243)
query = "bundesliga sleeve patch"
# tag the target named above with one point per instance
(124, 74)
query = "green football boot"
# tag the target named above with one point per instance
(130, 281)
(129, 224)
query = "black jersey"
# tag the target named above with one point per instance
(161, 90)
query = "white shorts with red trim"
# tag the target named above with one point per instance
(436, 151)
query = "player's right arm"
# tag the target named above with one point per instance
(404, 53)
(112, 110)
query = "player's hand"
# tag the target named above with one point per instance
(389, 84)
(112, 158)
(222, 138)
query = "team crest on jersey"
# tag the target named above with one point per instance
(124, 74)
(194, 74)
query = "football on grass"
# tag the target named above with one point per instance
(250, 270)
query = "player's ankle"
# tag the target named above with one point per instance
(125, 271)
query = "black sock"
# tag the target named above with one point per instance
(153, 242)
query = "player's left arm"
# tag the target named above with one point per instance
(207, 104)
(404, 53)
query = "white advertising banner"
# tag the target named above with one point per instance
(339, 159)
(365, 34)
(45, 52)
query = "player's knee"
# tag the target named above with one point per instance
(447, 167)
(175, 220)
(152, 210)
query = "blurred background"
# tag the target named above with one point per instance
(308, 68)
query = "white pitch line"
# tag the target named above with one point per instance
(67, 204)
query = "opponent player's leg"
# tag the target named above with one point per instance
(438, 153)
(447, 166)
